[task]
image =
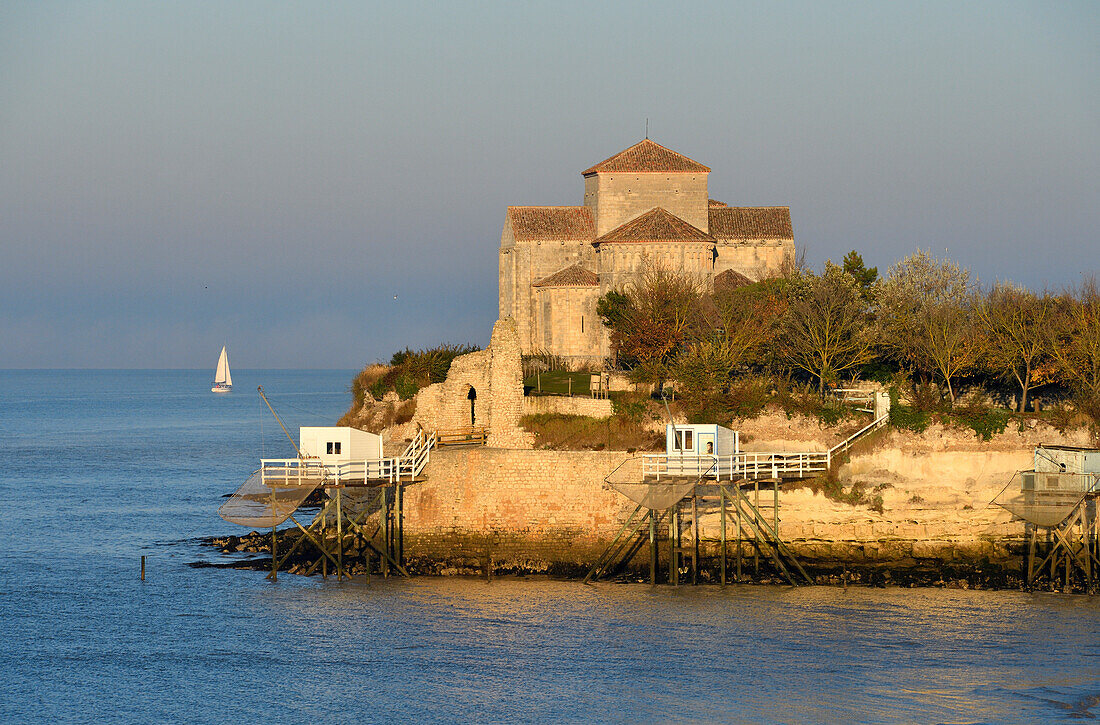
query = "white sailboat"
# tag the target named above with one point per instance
(223, 379)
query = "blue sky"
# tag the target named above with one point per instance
(176, 175)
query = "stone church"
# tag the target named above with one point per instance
(647, 202)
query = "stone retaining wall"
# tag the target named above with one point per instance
(540, 510)
(580, 405)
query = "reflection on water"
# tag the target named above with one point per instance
(103, 475)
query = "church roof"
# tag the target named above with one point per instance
(647, 156)
(531, 223)
(730, 279)
(656, 225)
(751, 222)
(574, 276)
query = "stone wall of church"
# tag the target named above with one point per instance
(508, 274)
(567, 321)
(617, 198)
(522, 263)
(755, 259)
(621, 263)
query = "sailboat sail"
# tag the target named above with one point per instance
(223, 379)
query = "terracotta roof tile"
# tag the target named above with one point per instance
(730, 279)
(656, 225)
(552, 223)
(751, 222)
(647, 156)
(575, 276)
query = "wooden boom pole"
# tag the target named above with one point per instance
(280, 420)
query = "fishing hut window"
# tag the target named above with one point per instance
(683, 441)
(333, 447)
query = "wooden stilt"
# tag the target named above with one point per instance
(756, 548)
(738, 510)
(722, 496)
(695, 537)
(653, 547)
(339, 535)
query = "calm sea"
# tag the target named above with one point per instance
(99, 468)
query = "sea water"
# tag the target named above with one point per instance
(102, 467)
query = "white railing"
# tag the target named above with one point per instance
(857, 397)
(844, 445)
(736, 466)
(396, 469)
(789, 464)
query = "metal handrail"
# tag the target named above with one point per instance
(393, 469)
(736, 465)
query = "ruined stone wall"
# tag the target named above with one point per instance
(755, 259)
(495, 374)
(446, 405)
(617, 198)
(505, 387)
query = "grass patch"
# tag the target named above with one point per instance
(558, 431)
(557, 382)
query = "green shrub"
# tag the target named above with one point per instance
(409, 371)
(985, 423)
(904, 417)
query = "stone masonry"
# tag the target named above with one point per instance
(483, 388)
(646, 205)
(549, 511)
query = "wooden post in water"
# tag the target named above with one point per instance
(673, 569)
(399, 533)
(274, 557)
(737, 508)
(722, 495)
(756, 549)
(695, 537)
(384, 520)
(339, 537)
(143, 567)
(652, 547)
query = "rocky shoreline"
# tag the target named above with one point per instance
(977, 575)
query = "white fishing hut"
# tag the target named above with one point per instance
(1062, 469)
(691, 440)
(339, 444)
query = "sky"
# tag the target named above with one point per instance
(321, 184)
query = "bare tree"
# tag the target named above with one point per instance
(654, 319)
(1075, 343)
(926, 317)
(825, 331)
(1017, 326)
